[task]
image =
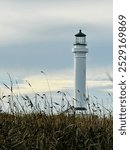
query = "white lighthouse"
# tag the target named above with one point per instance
(80, 51)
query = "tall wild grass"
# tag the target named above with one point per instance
(42, 129)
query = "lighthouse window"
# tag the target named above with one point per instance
(80, 40)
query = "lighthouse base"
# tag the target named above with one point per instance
(80, 108)
(76, 110)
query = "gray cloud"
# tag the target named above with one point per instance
(40, 34)
(20, 20)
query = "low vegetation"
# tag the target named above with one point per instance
(39, 131)
(65, 130)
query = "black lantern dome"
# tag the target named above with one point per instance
(80, 38)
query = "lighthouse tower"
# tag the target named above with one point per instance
(80, 51)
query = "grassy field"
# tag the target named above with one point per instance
(38, 131)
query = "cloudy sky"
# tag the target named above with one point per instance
(39, 35)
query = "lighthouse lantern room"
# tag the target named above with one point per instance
(80, 38)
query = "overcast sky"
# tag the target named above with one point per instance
(38, 35)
